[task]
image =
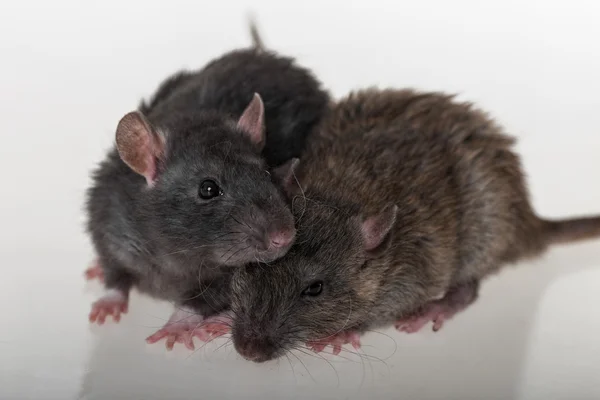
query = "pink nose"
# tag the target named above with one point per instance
(282, 238)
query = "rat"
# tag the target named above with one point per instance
(190, 190)
(404, 201)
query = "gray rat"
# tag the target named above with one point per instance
(187, 194)
(404, 202)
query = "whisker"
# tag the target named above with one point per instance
(304, 365)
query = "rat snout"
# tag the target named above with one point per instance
(281, 238)
(270, 231)
(273, 239)
(257, 348)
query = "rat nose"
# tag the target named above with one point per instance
(254, 349)
(281, 238)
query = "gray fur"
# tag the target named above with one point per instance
(164, 239)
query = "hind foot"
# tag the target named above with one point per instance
(439, 311)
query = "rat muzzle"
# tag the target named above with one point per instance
(256, 348)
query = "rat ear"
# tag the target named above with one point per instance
(252, 121)
(285, 176)
(375, 229)
(139, 146)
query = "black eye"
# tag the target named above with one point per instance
(314, 289)
(209, 189)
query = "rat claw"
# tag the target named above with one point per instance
(355, 341)
(337, 349)
(189, 342)
(155, 337)
(101, 317)
(317, 348)
(170, 341)
(438, 323)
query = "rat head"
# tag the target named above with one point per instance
(325, 284)
(208, 196)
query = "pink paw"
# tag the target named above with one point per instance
(94, 272)
(213, 327)
(112, 303)
(456, 299)
(434, 313)
(184, 324)
(336, 341)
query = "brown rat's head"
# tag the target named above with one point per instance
(209, 196)
(321, 287)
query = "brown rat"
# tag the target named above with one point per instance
(186, 194)
(405, 201)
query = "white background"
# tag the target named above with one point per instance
(70, 69)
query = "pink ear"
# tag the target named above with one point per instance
(252, 121)
(138, 145)
(285, 176)
(375, 229)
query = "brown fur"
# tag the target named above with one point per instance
(446, 165)
(463, 211)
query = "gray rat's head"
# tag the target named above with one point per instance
(209, 197)
(321, 287)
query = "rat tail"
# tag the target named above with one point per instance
(257, 42)
(570, 230)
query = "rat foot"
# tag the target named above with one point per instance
(179, 328)
(94, 272)
(336, 341)
(439, 311)
(114, 303)
(434, 312)
(213, 327)
(184, 324)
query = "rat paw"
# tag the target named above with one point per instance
(432, 312)
(456, 300)
(213, 327)
(336, 341)
(94, 272)
(184, 324)
(112, 303)
(176, 332)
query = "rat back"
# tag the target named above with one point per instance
(463, 207)
(293, 98)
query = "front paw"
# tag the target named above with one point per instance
(336, 341)
(213, 327)
(184, 324)
(94, 272)
(113, 303)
